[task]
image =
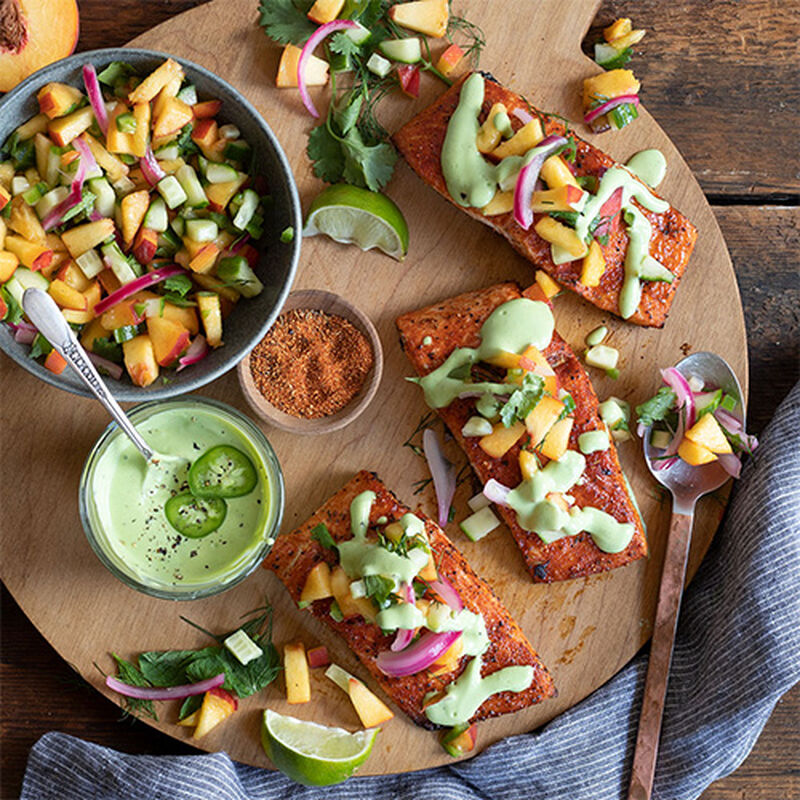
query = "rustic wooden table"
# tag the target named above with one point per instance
(723, 79)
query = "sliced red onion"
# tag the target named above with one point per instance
(404, 635)
(728, 421)
(447, 593)
(730, 463)
(151, 169)
(114, 370)
(24, 335)
(522, 115)
(164, 693)
(591, 116)
(495, 492)
(528, 175)
(683, 392)
(95, 96)
(418, 656)
(197, 351)
(137, 285)
(95, 215)
(442, 472)
(665, 463)
(672, 447)
(640, 430)
(319, 34)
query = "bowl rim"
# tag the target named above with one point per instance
(275, 479)
(130, 393)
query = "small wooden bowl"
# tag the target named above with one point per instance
(332, 304)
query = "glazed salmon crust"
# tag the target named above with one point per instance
(420, 142)
(294, 555)
(428, 336)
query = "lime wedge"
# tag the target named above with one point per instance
(351, 215)
(312, 754)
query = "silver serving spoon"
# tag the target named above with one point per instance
(686, 484)
(46, 316)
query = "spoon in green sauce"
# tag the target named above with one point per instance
(686, 484)
(46, 316)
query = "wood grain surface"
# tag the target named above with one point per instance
(31, 670)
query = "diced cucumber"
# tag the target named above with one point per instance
(188, 95)
(90, 263)
(339, 676)
(126, 123)
(201, 230)
(728, 402)
(51, 200)
(53, 166)
(475, 527)
(246, 210)
(235, 271)
(195, 196)
(83, 207)
(602, 357)
(695, 384)
(172, 191)
(178, 225)
(478, 502)
(378, 65)
(22, 279)
(596, 336)
(169, 242)
(242, 647)
(19, 184)
(609, 57)
(340, 62)
(229, 131)
(620, 116)
(614, 412)
(407, 51)
(116, 260)
(359, 35)
(169, 152)
(35, 193)
(155, 217)
(238, 150)
(123, 186)
(488, 406)
(105, 198)
(220, 173)
(660, 440)
(476, 426)
(125, 333)
(652, 270)
(707, 402)
(560, 255)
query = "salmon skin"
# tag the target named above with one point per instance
(420, 142)
(295, 554)
(428, 336)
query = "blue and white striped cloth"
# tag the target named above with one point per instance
(737, 652)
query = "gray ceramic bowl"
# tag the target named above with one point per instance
(250, 320)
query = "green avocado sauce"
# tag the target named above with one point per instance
(593, 441)
(511, 327)
(649, 166)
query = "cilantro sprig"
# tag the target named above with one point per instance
(522, 401)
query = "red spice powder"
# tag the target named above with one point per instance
(311, 364)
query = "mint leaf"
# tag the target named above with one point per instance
(285, 21)
(347, 114)
(166, 667)
(657, 407)
(325, 151)
(14, 310)
(380, 589)
(522, 400)
(180, 284)
(321, 534)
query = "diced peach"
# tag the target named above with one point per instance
(543, 417)
(190, 721)
(501, 439)
(459, 740)
(3, 307)
(56, 264)
(614, 83)
(31, 255)
(318, 584)
(140, 360)
(448, 660)
(220, 194)
(370, 708)
(34, 125)
(94, 330)
(501, 203)
(619, 27)
(325, 11)
(528, 464)
(184, 315)
(56, 99)
(84, 237)
(295, 671)
(563, 198)
(528, 136)
(205, 259)
(115, 168)
(145, 244)
(707, 432)
(8, 264)
(554, 232)
(549, 286)
(66, 296)
(211, 314)
(556, 498)
(555, 173)
(23, 220)
(5, 197)
(428, 572)
(318, 657)
(488, 136)
(68, 157)
(695, 454)
(316, 69)
(169, 339)
(205, 132)
(109, 281)
(557, 439)
(64, 129)
(120, 316)
(55, 362)
(169, 89)
(174, 116)
(141, 113)
(133, 207)
(349, 606)
(92, 295)
(214, 284)
(155, 81)
(208, 108)
(450, 59)
(218, 704)
(3, 231)
(629, 39)
(423, 16)
(116, 140)
(594, 265)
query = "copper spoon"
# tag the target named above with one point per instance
(686, 484)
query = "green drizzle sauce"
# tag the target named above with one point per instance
(593, 441)
(649, 166)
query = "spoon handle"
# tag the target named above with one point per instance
(46, 316)
(655, 688)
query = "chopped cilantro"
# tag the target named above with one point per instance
(321, 534)
(657, 407)
(40, 347)
(14, 311)
(380, 589)
(285, 21)
(179, 284)
(287, 235)
(522, 400)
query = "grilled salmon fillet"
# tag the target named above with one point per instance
(456, 323)
(295, 554)
(420, 142)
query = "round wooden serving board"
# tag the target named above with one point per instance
(585, 630)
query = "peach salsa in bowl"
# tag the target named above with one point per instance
(155, 206)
